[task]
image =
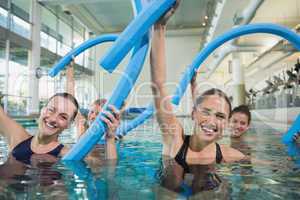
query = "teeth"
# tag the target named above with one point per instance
(207, 129)
(50, 126)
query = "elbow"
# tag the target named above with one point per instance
(157, 86)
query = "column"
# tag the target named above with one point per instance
(238, 81)
(7, 49)
(34, 59)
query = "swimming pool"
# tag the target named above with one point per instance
(138, 174)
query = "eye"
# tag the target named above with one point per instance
(205, 112)
(63, 117)
(220, 116)
(50, 109)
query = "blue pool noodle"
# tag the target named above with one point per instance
(120, 93)
(62, 63)
(288, 137)
(136, 29)
(200, 58)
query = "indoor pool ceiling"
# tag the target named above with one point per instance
(103, 16)
(106, 16)
(193, 17)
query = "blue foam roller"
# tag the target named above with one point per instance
(288, 137)
(61, 64)
(120, 93)
(128, 126)
(133, 32)
(274, 29)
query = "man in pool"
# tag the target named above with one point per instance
(54, 118)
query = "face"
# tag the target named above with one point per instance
(56, 116)
(95, 109)
(239, 124)
(211, 118)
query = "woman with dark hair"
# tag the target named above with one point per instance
(55, 117)
(240, 121)
(188, 154)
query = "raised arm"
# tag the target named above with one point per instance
(112, 119)
(194, 88)
(11, 130)
(80, 120)
(70, 78)
(169, 125)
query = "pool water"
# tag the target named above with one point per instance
(139, 173)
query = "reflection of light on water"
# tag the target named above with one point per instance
(270, 181)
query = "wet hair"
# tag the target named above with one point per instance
(211, 92)
(100, 102)
(69, 97)
(242, 109)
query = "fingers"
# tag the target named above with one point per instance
(296, 135)
(107, 122)
(176, 4)
(110, 116)
(163, 20)
(111, 119)
(115, 112)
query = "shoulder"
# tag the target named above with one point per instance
(172, 145)
(231, 155)
(14, 142)
(64, 151)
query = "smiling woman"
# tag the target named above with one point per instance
(55, 117)
(210, 115)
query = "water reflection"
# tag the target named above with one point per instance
(20, 180)
(198, 180)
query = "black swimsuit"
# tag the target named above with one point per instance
(181, 155)
(23, 152)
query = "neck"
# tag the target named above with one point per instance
(196, 144)
(40, 139)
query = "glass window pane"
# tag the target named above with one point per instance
(44, 40)
(20, 27)
(78, 39)
(18, 75)
(48, 42)
(47, 59)
(52, 44)
(2, 64)
(21, 8)
(3, 17)
(65, 32)
(46, 87)
(48, 20)
(63, 49)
